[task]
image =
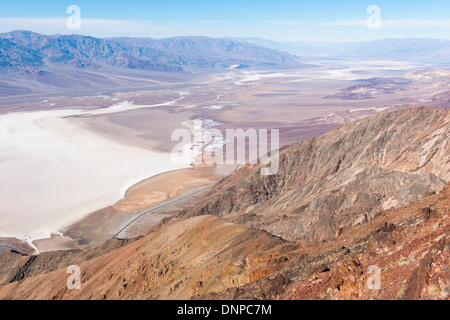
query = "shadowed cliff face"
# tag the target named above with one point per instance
(341, 178)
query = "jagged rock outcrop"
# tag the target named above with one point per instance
(341, 178)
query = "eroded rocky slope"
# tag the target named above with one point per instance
(194, 256)
(372, 193)
(341, 178)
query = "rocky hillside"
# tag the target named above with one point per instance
(15, 266)
(426, 50)
(341, 178)
(13, 56)
(410, 246)
(195, 256)
(372, 193)
(208, 257)
(29, 53)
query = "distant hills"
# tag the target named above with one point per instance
(36, 64)
(423, 50)
(27, 52)
(347, 174)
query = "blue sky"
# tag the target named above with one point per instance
(282, 20)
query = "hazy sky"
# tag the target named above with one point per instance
(282, 20)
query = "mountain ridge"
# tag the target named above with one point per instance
(207, 257)
(424, 50)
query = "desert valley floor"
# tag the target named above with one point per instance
(87, 165)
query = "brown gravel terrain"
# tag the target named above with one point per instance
(209, 258)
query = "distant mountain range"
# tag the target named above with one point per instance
(27, 52)
(331, 181)
(423, 50)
